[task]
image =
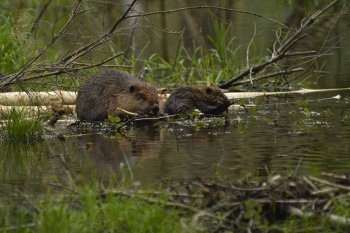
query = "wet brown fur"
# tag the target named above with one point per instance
(111, 91)
(209, 100)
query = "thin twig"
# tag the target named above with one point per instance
(150, 200)
(329, 183)
(206, 7)
(105, 37)
(68, 70)
(301, 53)
(278, 73)
(16, 228)
(281, 51)
(86, 64)
(18, 75)
(41, 13)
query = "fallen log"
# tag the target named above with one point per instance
(64, 101)
(302, 91)
(68, 97)
(38, 98)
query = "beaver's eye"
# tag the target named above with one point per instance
(142, 97)
(133, 88)
(209, 90)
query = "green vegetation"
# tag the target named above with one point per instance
(20, 128)
(198, 121)
(81, 207)
(87, 210)
(12, 46)
(197, 66)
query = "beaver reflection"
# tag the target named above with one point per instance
(110, 152)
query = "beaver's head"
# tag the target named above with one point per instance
(214, 100)
(144, 99)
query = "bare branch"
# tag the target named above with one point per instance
(105, 37)
(304, 26)
(206, 7)
(278, 73)
(281, 51)
(67, 70)
(302, 53)
(41, 13)
(17, 76)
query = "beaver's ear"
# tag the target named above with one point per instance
(134, 88)
(208, 90)
(161, 91)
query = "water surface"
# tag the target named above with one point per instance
(284, 135)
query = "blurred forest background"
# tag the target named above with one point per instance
(27, 27)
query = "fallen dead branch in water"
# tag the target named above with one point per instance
(60, 97)
(302, 91)
(221, 207)
(43, 98)
(63, 102)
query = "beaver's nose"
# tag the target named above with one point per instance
(155, 109)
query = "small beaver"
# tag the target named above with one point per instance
(209, 100)
(102, 95)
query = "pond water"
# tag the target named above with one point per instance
(283, 135)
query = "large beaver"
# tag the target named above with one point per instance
(209, 100)
(111, 91)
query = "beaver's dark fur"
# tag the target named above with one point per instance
(209, 100)
(108, 92)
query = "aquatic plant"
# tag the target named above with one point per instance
(218, 40)
(21, 128)
(19, 161)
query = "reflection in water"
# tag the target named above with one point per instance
(19, 161)
(108, 153)
(281, 137)
(276, 140)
